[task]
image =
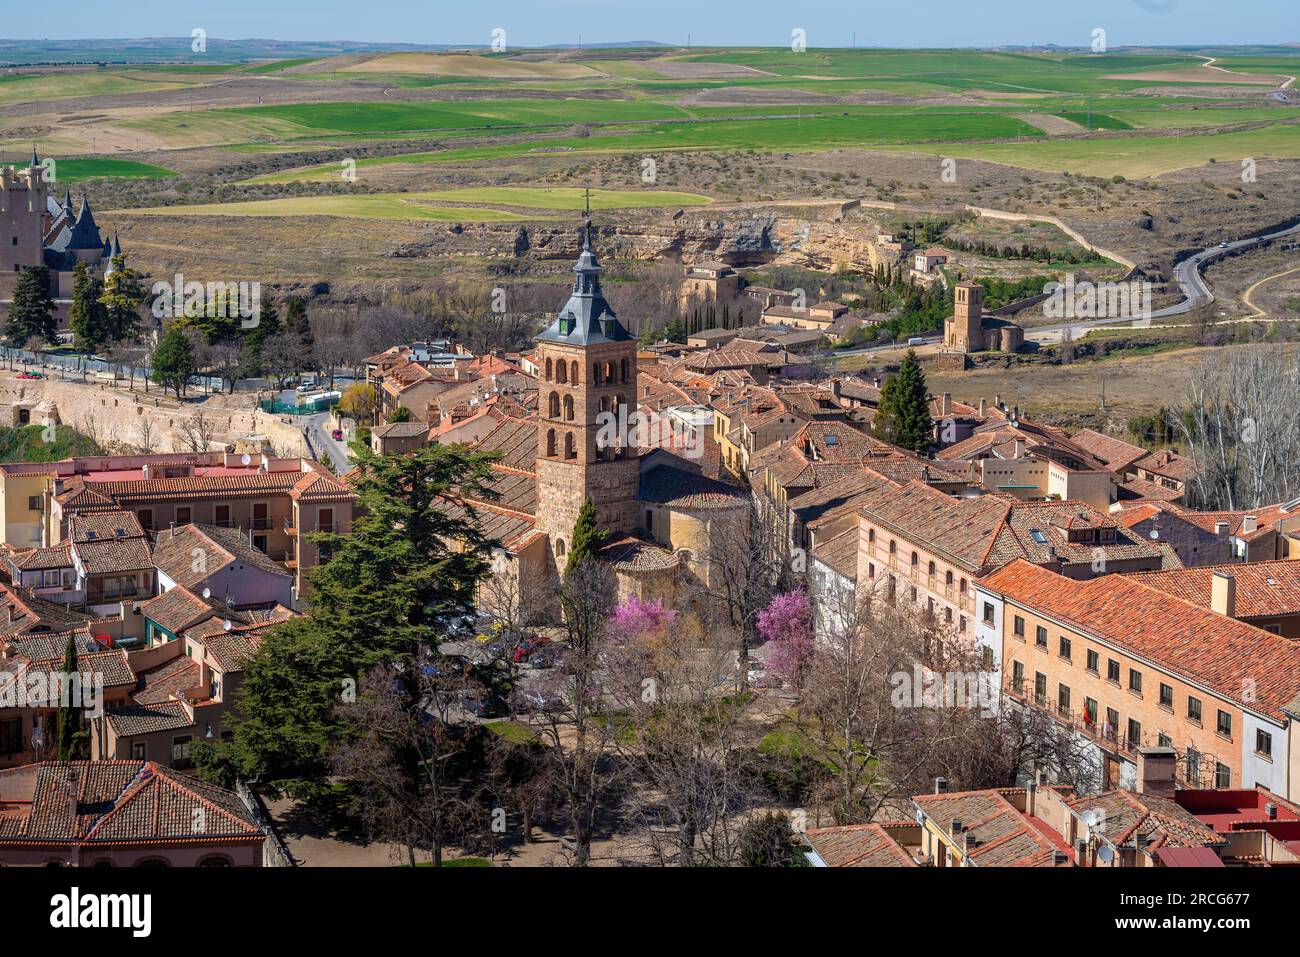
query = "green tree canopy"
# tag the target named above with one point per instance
(88, 316)
(385, 593)
(31, 312)
(174, 361)
(124, 293)
(903, 416)
(587, 537)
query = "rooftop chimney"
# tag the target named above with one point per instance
(983, 407)
(1249, 524)
(946, 407)
(997, 402)
(1220, 529)
(954, 827)
(1155, 771)
(1223, 594)
(1020, 448)
(940, 785)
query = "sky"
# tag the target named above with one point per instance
(888, 23)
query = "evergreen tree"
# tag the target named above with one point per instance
(87, 317)
(295, 321)
(386, 593)
(587, 537)
(903, 416)
(124, 293)
(268, 325)
(173, 361)
(31, 312)
(69, 722)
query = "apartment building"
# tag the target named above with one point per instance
(920, 546)
(269, 500)
(1125, 666)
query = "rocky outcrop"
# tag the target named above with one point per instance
(749, 238)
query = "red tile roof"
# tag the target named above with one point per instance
(1250, 667)
(1263, 588)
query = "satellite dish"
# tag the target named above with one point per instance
(246, 459)
(226, 624)
(1155, 533)
(1105, 854)
(1091, 818)
(207, 593)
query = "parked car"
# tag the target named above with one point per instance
(337, 435)
(483, 705)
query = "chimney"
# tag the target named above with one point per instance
(1223, 594)
(997, 403)
(1031, 798)
(1220, 529)
(983, 407)
(1270, 809)
(1155, 771)
(954, 827)
(835, 388)
(946, 408)
(968, 844)
(1020, 448)
(940, 785)
(1249, 524)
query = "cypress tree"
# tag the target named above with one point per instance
(69, 726)
(587, 537)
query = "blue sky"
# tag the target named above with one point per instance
(932, 23)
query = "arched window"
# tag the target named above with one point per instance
(550, 443)
(570, 452)
(609, 372)
(559, 548)
(553, 405)
(930, 569)
(947, 579)
(568, 408)
(548, 369)
(604, 403)
(893, 547)
(216, 860)
(916, 559)
(962, 586)
(623, 366)
(595, 373)
(562, 372)
(871, 535)
(573, 371)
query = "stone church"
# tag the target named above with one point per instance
(968, 329)
(667, 522)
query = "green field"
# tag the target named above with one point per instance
(75, 170)
(1096, 121)
(361, 206)
(566, 198)
(1135, 156)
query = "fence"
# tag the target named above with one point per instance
(274, 851)
(301, 408)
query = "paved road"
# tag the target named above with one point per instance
(323, 444)
(1188, 273)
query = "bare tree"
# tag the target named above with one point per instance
(280, 357)
(198, 431)
(145, 430)
(1240, 428)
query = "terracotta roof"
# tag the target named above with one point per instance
(321, 487)
(99, 526)
(1170, 464)
(1003, 836)
(840, 553)
(177, 552)
(1250, 667)
(400, 430)
(680, 489)
(115, 555)
(985, 532)
(176, 609)
(161, 683)
(166, 715)
(516, 439)
(120, 802)
(1263, 588)
(635, 554)
(1159, 822)
(1115, 454)
(39, 559)
(860, 845)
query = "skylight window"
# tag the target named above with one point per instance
(1038, 536)
(832, 440)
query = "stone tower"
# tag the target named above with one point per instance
(586, 398)
(964, 330)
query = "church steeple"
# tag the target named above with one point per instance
(586, 405)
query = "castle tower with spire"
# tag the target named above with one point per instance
(586, 405)
(37, 228)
